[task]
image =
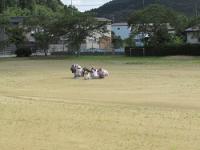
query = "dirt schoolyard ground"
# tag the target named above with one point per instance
(145, 104)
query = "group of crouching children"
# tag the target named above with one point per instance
(88, 74)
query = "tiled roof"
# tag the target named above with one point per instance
(193, 29)
(103, 19)
(120, 24)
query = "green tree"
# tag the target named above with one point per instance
(14, 34)
(43, 40)
(75, 28)
(11, 3)
(194, 21)
(160, 36)
(16, 11)
(54, 4)
(155, 24)
(38, 15)
(40, 23)
(4, 21)
(117, 42)
(129, 42)
(29, 4)
(2, 6)
(17, 36)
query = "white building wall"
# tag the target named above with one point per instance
(192, 39)
(109, 28)
(123, 31)
(93, 41)
(57, 48)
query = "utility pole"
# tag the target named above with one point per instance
(17, 2)
(195, 10)
(72, 7)
(143, 3)
(196, 13)
(113, 18)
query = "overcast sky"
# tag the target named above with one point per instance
(83, 5)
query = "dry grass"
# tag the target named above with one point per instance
(146, 104)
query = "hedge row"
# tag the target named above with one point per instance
(167, 50)
(86, 53)
(23, 52)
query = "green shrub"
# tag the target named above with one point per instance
(23, 52)
(165, 50)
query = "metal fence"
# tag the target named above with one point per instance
(10, 50)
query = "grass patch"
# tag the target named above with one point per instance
(146, 103)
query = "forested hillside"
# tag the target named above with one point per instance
(118, 10)
(29, 4)
(35, 24)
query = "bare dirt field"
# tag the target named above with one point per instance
(145, 104)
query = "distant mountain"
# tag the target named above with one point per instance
(119, 10)
(29, 4)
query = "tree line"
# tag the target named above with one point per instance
(49, 21)
(118, 10)
(155, 21)
(29, 4)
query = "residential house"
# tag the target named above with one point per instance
(193, 34)
(171, 29)
(59, 46)
(122, 30)
(97, 42)
(138, 38)
(10, 49)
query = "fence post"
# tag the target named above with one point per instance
(143, 51)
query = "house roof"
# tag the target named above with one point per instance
(103, 19)
(193, 29)
(120, 24)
